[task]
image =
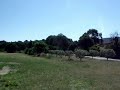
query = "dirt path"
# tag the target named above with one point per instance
(5, 70)
(102, 58)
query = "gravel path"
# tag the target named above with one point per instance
(102, 58)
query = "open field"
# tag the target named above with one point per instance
(35, 73)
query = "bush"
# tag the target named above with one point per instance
(40, 47)
(95, 47)
(31, 51)
(43, 55)
(60, 53)
(93, 53)
(80, 53)
(102, 52)
(109, 53)
(11, 47)
(69, 54)
(26, 51)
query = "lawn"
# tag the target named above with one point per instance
(36, 73)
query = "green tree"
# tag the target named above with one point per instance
(85, 42)
(93, 33)
(3, 45)
(69, 54)
(80, 53)
(60, 41)
(115, 44)
(11, 47)
(40, 47)
(109, 53)
(93, 53)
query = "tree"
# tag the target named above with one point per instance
(60, 53)
(93, 53)
(69, 54)
(40, 47)
(11, 47)
(109, 53)
(60, 41)
(115, 44)
(3, 45)
(85, 42)
(93, 33)
(20, 45)
(102, 52)
(95, 47)
(73, 45)
(80, 53)
(101, 38)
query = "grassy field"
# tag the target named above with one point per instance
(35, 73)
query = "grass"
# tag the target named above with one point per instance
(35, 73)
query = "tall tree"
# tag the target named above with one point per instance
(115, 44)
(85, 42)
(93, 33)
(60, 41)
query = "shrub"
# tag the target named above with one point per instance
(40, 47)
(93, 53)
(52, 51)
(11, 47)
(26, 51)
(102, 52)
(69, 54)
(43, 55)
(95, 47)
(109, 53)
(31, 51)
(60, 53)
(80, 53)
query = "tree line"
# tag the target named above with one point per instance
(90, 42)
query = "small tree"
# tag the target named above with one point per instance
(80, 53)
(31, 51)
(93, 53)
(60, 53)
(109, 53)
(40, 47)
(102, 52)
(69, 54)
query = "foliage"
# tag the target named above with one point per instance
(40, 47)
(73, 46)
(102, 52)
(69, 54)
(60, 53)
(85, 42)
(115, 44)
(95, 47)
(109, 53)
(93, 33)
(60, 41)
(3, 45)
(11, 47)
(26, 50)
(31, 51)
(80, 53)
(93, 53)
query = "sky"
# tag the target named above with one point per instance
(37, 19)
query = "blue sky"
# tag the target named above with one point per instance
(37, 19)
